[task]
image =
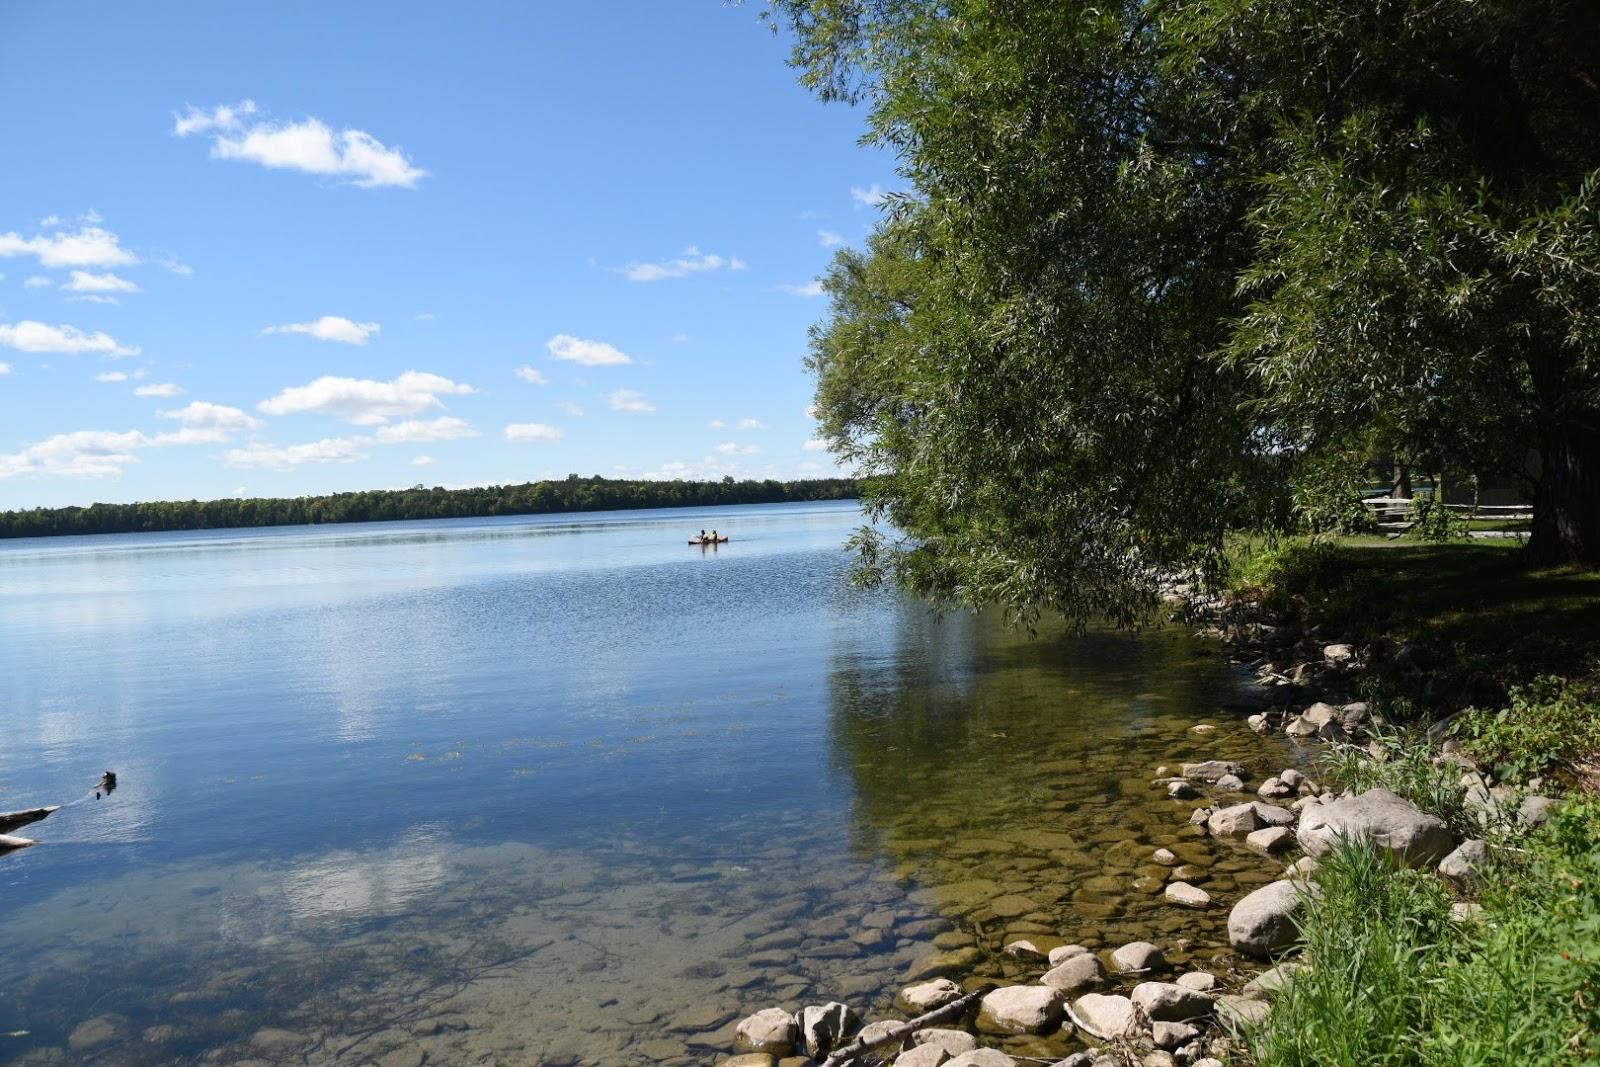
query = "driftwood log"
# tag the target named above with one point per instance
(952, 1010)
(8, 843)
(10, 820)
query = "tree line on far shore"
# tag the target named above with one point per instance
(419, 502)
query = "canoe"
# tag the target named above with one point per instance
(708, 541)
(11, 820)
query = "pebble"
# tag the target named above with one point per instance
(1188, 896)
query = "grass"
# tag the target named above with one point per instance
(1392, 980)
(1407, 771)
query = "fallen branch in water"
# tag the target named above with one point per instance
(956, 1007)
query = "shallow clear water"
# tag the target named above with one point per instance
(554, 789)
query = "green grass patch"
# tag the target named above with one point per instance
(1392, 980)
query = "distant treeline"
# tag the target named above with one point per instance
(382, 505)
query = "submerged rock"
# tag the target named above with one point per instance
(1212, 769)
(1391, 822)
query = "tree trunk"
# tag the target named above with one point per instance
(1566, 501)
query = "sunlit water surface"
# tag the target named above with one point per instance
(555, 789)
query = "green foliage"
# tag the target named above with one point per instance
(1392, 980)
(1327, 495)
(383, 505)
(1550, 724)
(1406, 769)
(1437, 523)
(1158, 264)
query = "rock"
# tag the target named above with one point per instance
(1463, 866)
(1077, 1059)
(1299, 727)
(1535, 810)
(1170, 1002)
(1465, 911)
(1271, 981)
(1165, 857)
(1275, 789)
(1181, 791)
(1291, 778)
(1188, 896)
(926, 996)
(749, 1059)
(1105, 1017)
(1171, 1035)
(1021, 1009)
(772, 1031)
(276, 1040)
(1210, 770)
(1012, 905)
(1158, 1058)
(1272, 815)
(1075, 974)
(1320, 714)
(982, 1057)
(1333, 733)
(1303, 868)
(1389, 821)
(1231, 782)
(410, 1056)
(822, 1029)
(1199, 816)
(1236, 821)
(1199, 981)
(1258, 723)
(954, 1042)
(159, 1034)
(1138, 956)
(1023, 950)
(1236, 1013)
(1062, 953)
(1270, 840)
(1263, 922)
(873, 1031)
(1340, 655)
(97, 1032)
(922, 1056)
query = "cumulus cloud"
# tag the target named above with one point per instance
(330, 328)
(570, 408)
(729, 448)
(30, 336)
(443, 428)
(5, 369)
(87, 282)
(422, 461)
(38, 281)
(871, 196)
(204, 415)
(693, 261)
(90, 246)
(94, 453)
(630, 400)
(752, 424)
(176, 266)
(718, 424)
(533, 431)
(828, 239)
(811, 288)
(531, 375)
(310, 146)
(163, 389)
(363, 401)
(816, 444)
(327, 450)
(586, 353)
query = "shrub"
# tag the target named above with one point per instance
(1436, 522)
(1549, 724)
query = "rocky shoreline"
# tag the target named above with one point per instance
(1127, 1004)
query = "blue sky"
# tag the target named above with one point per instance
(296, 248)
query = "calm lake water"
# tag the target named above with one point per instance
(555, 789)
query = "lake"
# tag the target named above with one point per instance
(556, 789)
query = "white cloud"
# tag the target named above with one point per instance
(570, 408)
(422, 461)
(111, 376)
(330, 328)
(679, 338)
(91, 246)
(30, 336)
(828, 239)
(363, 401)
(693, 261)
(531, 375)
(204, 415)
(811, 288)
(327, 450)
(86, 282)
(533, 431)
(49, 222)
(586, 353)
(176, 266)
(310, 146)
(93, 298)
(630, 400)
(718, 424)
(871, 196)
(38, 281)
(752, 424)
(5, 369)
(816, 444)
(423, 316)
(729, 448)
(164, 389)
(93, 453)
(444, 428)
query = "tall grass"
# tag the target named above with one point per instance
(1392, 980)
(1407, 770)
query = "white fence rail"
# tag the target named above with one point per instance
(1399, 513)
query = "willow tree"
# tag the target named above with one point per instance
(1160, 266)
